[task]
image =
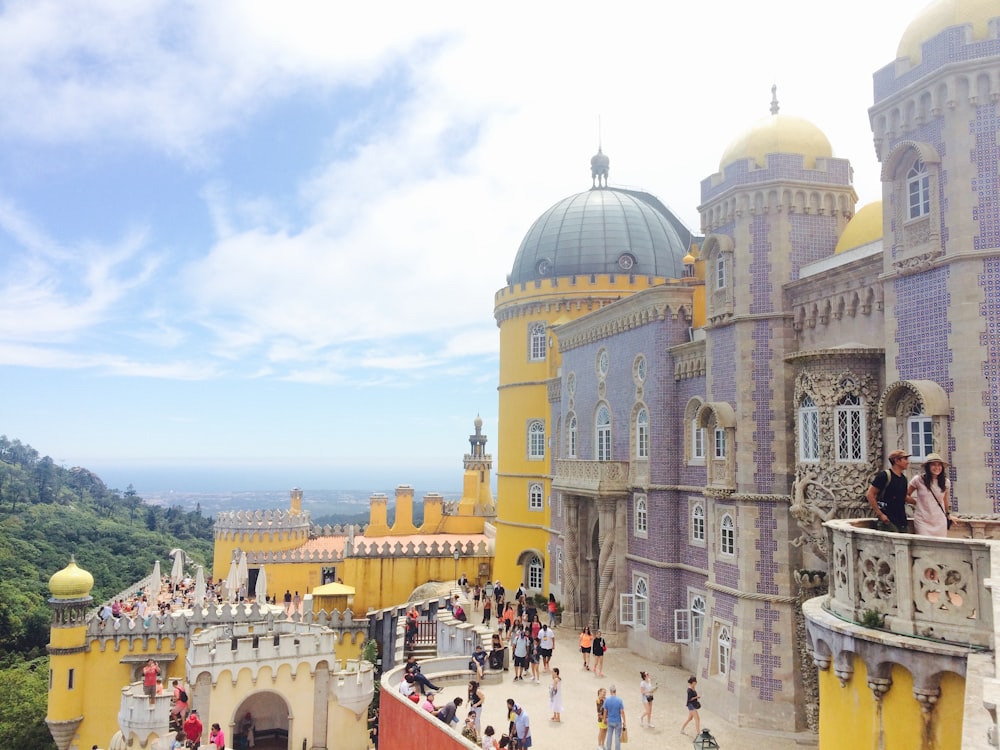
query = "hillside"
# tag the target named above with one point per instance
(48, 513)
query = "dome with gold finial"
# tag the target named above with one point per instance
(942, 14)
(72, 582)
(778, 134)
(864, 228)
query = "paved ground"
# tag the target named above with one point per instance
(578, 729)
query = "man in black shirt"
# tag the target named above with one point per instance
(887, 493)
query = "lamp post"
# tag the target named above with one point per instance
(705, 741)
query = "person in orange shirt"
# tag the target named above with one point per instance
(586, 639)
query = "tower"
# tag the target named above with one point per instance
(477, 497)
(583, 253)
(70, 588)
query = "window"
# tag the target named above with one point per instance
(640, 369)
(642, 434)
(727, 535)
(626, 609)
(720, 272)
(641, 602)
(720, 442)
(697, 443)
(918, 187)
(808, 430)
(603, 363)
(697, 617)
(536, 342)
(536, 440)
(698, 523)
(641, 516)
(724, 650)
(850, 420)
(535, 573)
(603, 434)
(70, 679)
(535, 501)
(682, 626)
(921, 435)
(571, 436)
(559, 565)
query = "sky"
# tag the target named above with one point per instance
(262, 240)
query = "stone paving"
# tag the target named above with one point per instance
(578, 729)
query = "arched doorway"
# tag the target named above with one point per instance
(267, 717)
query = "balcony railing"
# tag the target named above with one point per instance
(925, 586)
(591, 478)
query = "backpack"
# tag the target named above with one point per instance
(182, 696)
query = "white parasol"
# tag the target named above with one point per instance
(243, 570)
(233, 582)
(154, 584)
(260, 588)
(177, 571)
(199, 588)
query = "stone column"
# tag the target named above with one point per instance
(572, 606)
(607, 586)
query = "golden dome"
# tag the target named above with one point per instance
(689, 259)
(940, 15)
(778, 134)
(865, 227)
(72, 582)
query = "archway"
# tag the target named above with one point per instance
(267, 717)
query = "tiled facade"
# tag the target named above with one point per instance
(904, 329)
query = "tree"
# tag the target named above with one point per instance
(132, 502)
(23, 699)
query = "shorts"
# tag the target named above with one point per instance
(521, 661)
(584, 649)
(149, 690)
(546, 652)
(649, 699)
(694, 706)
(602, 725)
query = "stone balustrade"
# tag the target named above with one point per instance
(932, 587)
(590, 478)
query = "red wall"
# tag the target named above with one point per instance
(404, 724)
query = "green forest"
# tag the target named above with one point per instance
(47, 513)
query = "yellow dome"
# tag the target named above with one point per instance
(865, 227)
(689, 259)
(778, 134)
(72, 582)
(942, 14)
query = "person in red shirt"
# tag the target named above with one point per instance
(150, 680)
(193, 729)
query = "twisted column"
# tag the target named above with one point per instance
(571, 563)
(607, 587)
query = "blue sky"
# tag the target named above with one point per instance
(259, 234)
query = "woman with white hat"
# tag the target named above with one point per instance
(928, 493)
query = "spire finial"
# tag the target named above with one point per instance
(599, 163)
(774, 98)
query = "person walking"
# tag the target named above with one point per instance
(547, 640)
(522, 727)
(928, 492)
(555, 696)
(534, 658)
(598, 647)
(487, 610)
(477, 594)
(602, 719)
(586, 642)
(521, 644)
(476, 699)
(614, 713)
(693, 704)
(552, 608)
(646, 690)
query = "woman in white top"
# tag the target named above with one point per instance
(928, 492)
(646, 688)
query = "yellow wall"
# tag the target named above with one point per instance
(849, 717)
(384, 581)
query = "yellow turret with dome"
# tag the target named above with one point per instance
(776, 134)
(939, 16)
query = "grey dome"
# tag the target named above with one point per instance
(603, 231)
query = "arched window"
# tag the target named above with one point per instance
(641, 516)
(918, 189)
(698, 523)
(603, 434)
(727, 535)
(642, 434)
(536, 440)
(571, 436)
(725, 646)
(697, 443)
(536, 342)
(849, 417)
(535, 497)
(808, 430)
(536, 573)
(641, 602)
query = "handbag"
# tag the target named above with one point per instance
(624, 734)
(947, 515)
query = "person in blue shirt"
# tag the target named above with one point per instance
(615, 712)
